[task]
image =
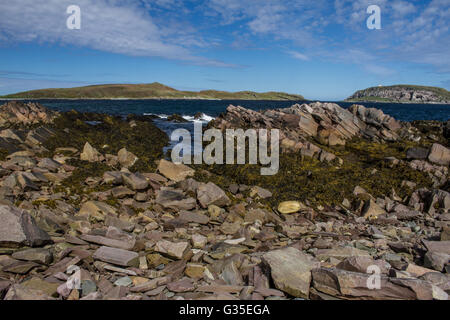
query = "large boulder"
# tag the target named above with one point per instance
(291, 270)
(174, 172)
(91, 154)
(439, 154)
(18, 228)
(126, 158)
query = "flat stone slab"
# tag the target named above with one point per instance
(121, 244)
(117, 256)
(38, 255)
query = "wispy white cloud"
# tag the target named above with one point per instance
(298, 55)
(412, 31)
(118, 26)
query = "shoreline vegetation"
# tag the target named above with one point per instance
(147, 91)
(356, 188)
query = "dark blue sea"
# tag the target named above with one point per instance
(212, 108)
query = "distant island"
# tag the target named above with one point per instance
(402, 94)
(146, 91)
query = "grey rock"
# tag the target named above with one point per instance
(135, 181)
(117, 256)
(38, 255)
(18, 228)
(210, 193)
(291, 270)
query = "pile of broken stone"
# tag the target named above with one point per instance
(172, 237)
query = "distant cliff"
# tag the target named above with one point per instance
(402, 93)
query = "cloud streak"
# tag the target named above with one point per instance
(117, 26)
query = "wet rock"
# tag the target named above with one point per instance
(211, 194)
(291, 270)
(117, 256)
(174, 172)
(18, 228)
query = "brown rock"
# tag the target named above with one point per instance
(174, 172)
(18, 228)
(291, 270)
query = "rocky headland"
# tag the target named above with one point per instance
(90, 209)
(402, 94)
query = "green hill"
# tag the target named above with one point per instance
(146, 91)
(402, 93)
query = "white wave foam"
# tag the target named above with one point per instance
(204, 118)
(162, 115)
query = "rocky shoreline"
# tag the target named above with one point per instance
(91, 210)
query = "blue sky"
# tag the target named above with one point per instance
(321, 49)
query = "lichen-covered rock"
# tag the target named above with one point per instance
(91, 154)
(288, 207)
